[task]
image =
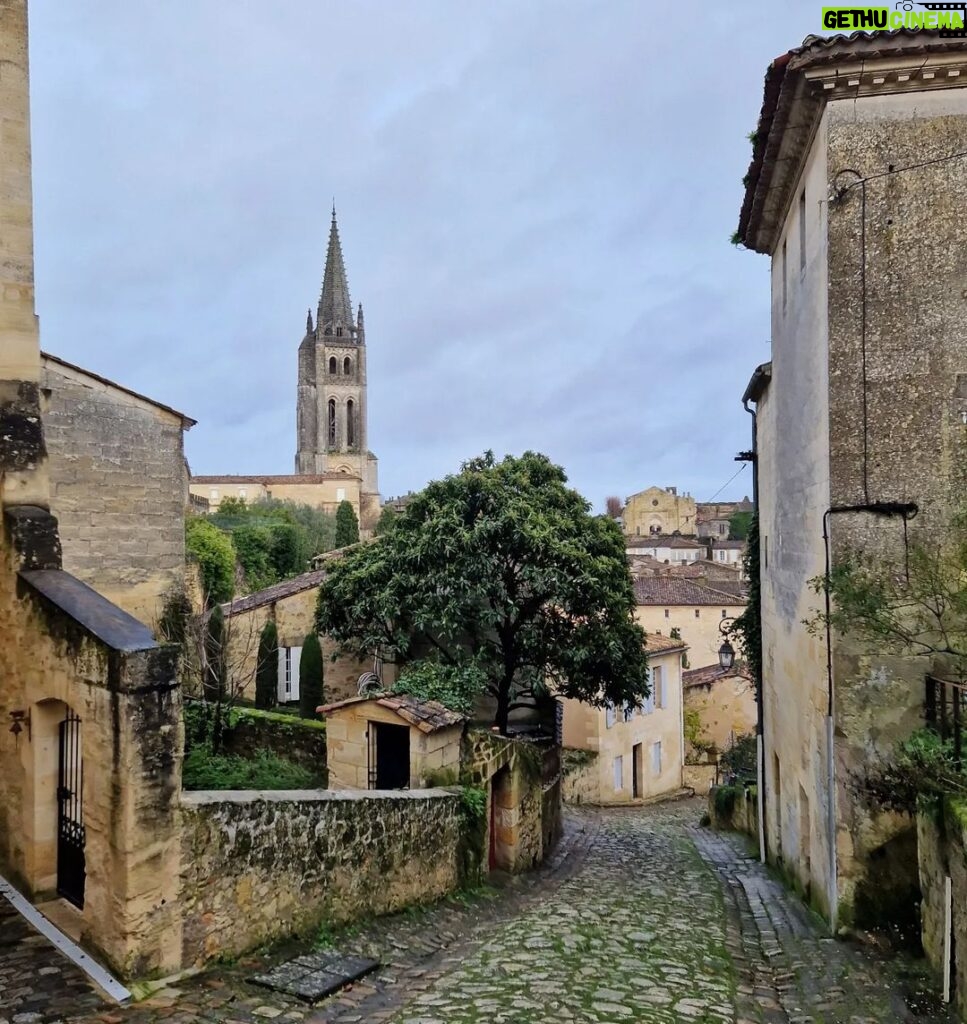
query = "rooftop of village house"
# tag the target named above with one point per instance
(656, 643)
(709, 674)
(667, 590)
(427, 715)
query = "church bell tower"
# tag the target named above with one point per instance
(331, 410)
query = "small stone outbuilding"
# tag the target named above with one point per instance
(392, 741)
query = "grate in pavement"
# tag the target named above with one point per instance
(316, 975)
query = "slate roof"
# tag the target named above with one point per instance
(713, 673)
(427, 715)
(671, 590)
(111, 625)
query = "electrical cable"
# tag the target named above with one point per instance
(727, 482)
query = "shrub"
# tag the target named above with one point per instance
(453, 686)
(215, 555)
(254, 547)
(347, 525)
(205, 770)
(310, 677)
(267, 668)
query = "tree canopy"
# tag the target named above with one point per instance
(501, 579)
(215, 555)
(739, 525)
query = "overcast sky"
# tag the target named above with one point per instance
(535, 201)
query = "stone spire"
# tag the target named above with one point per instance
(360, 329)
(335, 309)
(309, 322)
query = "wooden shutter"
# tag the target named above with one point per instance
(283, 696)
(294, 687)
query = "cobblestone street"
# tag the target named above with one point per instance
(642, 916)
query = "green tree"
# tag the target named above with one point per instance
(386, 520)
(254, 547)
(347, 526)
(499, 575)
(215, 679)
(747, 628)
(286, 553)
(310, 677)
(215, 555)
(739, 525)
(267, 668)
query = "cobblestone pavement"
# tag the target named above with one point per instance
(641, 916)
(37, 983)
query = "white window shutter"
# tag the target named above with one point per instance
(283, 696)
(294, 689)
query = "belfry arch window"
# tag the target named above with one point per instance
(332, 364)
(347, 366)
(331, 429)
(329, 331)
(350, 423)
(338, 332)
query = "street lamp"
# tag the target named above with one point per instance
(726, 651)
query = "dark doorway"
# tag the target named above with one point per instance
(71, 866)
(389, 753)
(636, 765)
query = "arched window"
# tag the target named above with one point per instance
(332, 423)
(329, 331)
(350, 423)
(338, 332)
(332, 364)
(347, 366)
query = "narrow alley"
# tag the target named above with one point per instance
(642, 916)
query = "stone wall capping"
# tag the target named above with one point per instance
(203, 798)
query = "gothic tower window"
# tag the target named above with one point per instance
(331, 430)
(332, 364)
(338, 332)
(329, 331)
(350, 423)
(347, 366)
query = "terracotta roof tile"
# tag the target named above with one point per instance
(714, 673)
(295, 478)
(670, 590)
(655, 643)
(427, 715)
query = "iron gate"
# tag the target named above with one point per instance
(70, 815)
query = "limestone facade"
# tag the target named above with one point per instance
(640, 751)
(118, 485)
(724, 701)
(864, 401)
(659, 510)
(325, 491)
(664, 603)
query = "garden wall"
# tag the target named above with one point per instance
(258, 866)
(941, 843)
(734, 809)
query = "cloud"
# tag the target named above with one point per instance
(535, 202)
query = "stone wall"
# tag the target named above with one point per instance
(118, 488)
(522, 779)
(942, 847)
(734, 809)
(258, 866)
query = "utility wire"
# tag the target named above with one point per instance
(741, 469)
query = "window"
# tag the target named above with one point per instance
(658, 686)
(648, 705)
(656, 758)
(765, 552)
(329, 332)
(666, 613)
(347, 366)
(242, 493)
(609, 715)
(725, 614)
(619, 772)
(338, 332)
(628, 712)
(289, 673)
(340, 494)
(332, 364)
(802, 231)
(331, 430)
(214, 494)
(350, 423)
(698, 613)
(782, 270)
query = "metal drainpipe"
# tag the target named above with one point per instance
(759, 702)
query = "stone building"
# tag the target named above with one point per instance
(856, 193)
(118, 486)
(668, 548)
(291, 604)
(91, 738)
(332, 454)
(724, 701)
(658, 510)
(713, 519)
(664, 603)
(638, 752)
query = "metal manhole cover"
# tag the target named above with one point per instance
(316, 975)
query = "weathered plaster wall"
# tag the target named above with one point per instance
(725, 708)
(793, 495)
(118, 489)
(257, 866)
(912, 445)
